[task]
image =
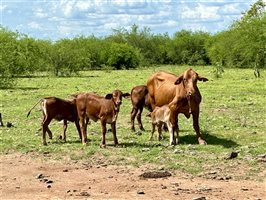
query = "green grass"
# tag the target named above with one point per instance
(232, 118)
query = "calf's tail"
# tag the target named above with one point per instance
(34, 107)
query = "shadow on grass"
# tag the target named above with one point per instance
(209, 138)
(19, 88)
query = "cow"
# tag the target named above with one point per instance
(58, 109)
(181, 94)
(95, 107)
(159, 117)
(139, 99)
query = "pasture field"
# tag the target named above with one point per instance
(232, 118)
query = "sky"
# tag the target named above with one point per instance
(56, 19)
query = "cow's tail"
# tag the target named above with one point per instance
(34, 107)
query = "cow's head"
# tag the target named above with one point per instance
(116, 96)
(189, 80)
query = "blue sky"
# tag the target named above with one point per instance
(55, 19)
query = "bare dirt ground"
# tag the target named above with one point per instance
(23, 177)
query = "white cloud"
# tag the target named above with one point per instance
(200, 12)
(60, 18)
(3, 7)
(34, 25)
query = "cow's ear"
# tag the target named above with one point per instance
(109, 96)
(179, 80)
(201, 78)
(126, 95)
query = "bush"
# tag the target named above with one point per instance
(122, 56)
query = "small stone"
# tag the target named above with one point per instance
(145, 149)
(199, 198)
(49, 181)
(49, 186)
(164, 187)
(244, 189)
(233, 154)
(140, 192)
(65, 170)
(39, 176)
(85, 194)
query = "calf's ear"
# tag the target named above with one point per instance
(201, 78)
(179, 80)
(109, 96)
(148, 114)
(125, 95)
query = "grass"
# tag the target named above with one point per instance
(232, 118)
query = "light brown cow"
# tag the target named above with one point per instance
(58, 109)
(159, 117)
(182, 95)
(139, 100)
(95, 107)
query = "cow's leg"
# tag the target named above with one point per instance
(159, 125)
(45, 123)
(172, 124)
(50, 134)
(113, 125)
(152, 131)
(64, 132)
(78, 128)
(103, 123)
(82, 123)
(139, 119)
(133, 115)
(195, 114)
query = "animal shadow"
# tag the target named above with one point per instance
(209, 138)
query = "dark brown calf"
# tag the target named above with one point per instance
(95, 107)
(139, 100)
(182, 95)
(58, 109)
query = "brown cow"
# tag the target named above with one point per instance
(58, 109)
(160, 116)
(139, 100)
(182, 95)
(95, 107)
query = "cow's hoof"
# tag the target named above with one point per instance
(44, 144)
(202, 142)
(142, 129)
(103, 146)
(173, 143)
(60, 137)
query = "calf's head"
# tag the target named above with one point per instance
(116, 97)
(189, 80)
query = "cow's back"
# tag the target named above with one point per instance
(161, 88)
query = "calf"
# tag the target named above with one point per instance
(160, 116)
(139, 100)
(58, 109)
(95, 107)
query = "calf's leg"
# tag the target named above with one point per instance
(133, 115)
(45, 123)
(152, 131)
(83, 128)
(159, 125)
(103, 123)
(139, 119)
(113, 125)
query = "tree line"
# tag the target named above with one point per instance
(242, 45)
